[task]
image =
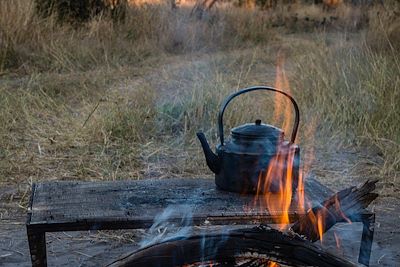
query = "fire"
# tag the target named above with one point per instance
(301, 194)
(274, 190)
(282, 114)
(320, 225)
(272, 264)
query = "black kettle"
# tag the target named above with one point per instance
(241, 161)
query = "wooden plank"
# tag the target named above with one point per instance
(75, 205)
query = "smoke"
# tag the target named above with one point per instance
(174, 221)
(210, 249)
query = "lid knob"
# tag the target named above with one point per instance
(258, 122)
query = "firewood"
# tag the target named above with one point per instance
(257, 245)
(342, 206)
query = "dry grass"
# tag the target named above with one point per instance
(354, 92)
(64, 117)
(29, 43)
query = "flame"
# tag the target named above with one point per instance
(274, 188)
(301, 194)
(304, 205)
(320, 224)
(282, 114)
(275, 192)
(272, 264)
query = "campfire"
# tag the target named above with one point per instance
(257, 160)
(263, 245)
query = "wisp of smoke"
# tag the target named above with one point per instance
(174, 221)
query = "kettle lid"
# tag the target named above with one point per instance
(257, 130)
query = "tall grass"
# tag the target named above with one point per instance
(31, 43)
(355, 90)
(64, 116)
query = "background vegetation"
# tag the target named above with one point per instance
(115, 99)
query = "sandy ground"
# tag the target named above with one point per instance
(337, 170)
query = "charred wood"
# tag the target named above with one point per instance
(257, 245)
(342, 206)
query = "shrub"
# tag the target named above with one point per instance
(80, 10)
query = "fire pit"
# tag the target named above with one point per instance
(78, 206)
(264, 246)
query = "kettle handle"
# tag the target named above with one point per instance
(255, 88)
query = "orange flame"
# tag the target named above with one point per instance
(282, 114)
(272, 264)
(275, 185)
(301, 194)
(274, 188)
(320, 225)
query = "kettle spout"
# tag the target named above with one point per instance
(212, 160)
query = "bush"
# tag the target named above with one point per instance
(80, 10)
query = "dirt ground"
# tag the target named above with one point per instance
(335, 169)
(96, 248)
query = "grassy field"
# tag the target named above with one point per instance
(113, 100)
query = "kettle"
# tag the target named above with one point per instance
(241, 161)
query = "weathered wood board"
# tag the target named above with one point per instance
(77, 205)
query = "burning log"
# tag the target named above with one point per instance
(256, 246)
(342, 206)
